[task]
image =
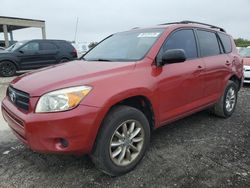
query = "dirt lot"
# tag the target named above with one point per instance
(198, 151)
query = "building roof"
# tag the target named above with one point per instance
(14, 23)
(25, 19)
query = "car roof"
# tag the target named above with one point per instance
(47, 40)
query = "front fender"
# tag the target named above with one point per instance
(107, 103)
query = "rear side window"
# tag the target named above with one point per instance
(65, 46)
(208, 41)
(48, 46)
(182, 39)
(226, 41)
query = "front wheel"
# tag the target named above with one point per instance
(7, 69)
(227, 103)
(122, 141)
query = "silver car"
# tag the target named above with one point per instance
(245, 53)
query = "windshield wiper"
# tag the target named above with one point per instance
(99, 59)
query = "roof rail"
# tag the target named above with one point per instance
(194, 22)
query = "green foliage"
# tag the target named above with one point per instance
(240, 42)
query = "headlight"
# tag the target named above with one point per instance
(62, 100)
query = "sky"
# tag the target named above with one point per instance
(100, 18)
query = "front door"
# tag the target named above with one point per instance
(29, 56)
(180, 85)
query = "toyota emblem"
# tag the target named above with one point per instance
(12, 96)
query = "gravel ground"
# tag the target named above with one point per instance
(199, 151)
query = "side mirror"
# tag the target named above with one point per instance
(173, 56)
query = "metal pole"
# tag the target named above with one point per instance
(11, 36)
(44, 32)
(6, 37)
(76, 29)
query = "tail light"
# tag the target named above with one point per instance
(74, 53)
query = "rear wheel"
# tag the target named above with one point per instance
(122, 141)
(7, 69)
(227, 103)
(63, 60)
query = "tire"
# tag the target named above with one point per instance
(227, 103)
(115, 154)
(63, 60)
(7, 69)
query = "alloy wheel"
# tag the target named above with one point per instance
(127, 142)
(230, 99)
(7, 69)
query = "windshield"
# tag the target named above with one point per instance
(15, 46)
(126, 46)
(245, 52)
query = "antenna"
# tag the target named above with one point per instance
(77, 19)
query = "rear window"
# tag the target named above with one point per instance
(226, 41)
(245, 52)
(209, 45)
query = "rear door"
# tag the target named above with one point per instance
(180, 85)
(48, 52)
(216, 61)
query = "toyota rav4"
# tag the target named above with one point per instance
(108, 103)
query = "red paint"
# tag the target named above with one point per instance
(174, 90)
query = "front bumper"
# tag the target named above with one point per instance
(44, 132)
(246, 74)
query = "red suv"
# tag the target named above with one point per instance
(107, 103)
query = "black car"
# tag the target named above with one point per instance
(33, 54)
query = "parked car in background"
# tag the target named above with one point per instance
(34, 54)
(108, 103)
(245, 53)
(239, 48)
(81, 48)
(2, 48)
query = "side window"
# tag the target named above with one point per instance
(208, 41)
(182, 39)
(48, 46)
(226, 41)
(31, 47)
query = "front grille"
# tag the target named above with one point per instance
(18, 98)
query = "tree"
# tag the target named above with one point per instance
(92, 44)
(240, 42)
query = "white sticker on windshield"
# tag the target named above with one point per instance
(141, 35)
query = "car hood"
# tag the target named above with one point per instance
(246, 61)
(69, 74)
